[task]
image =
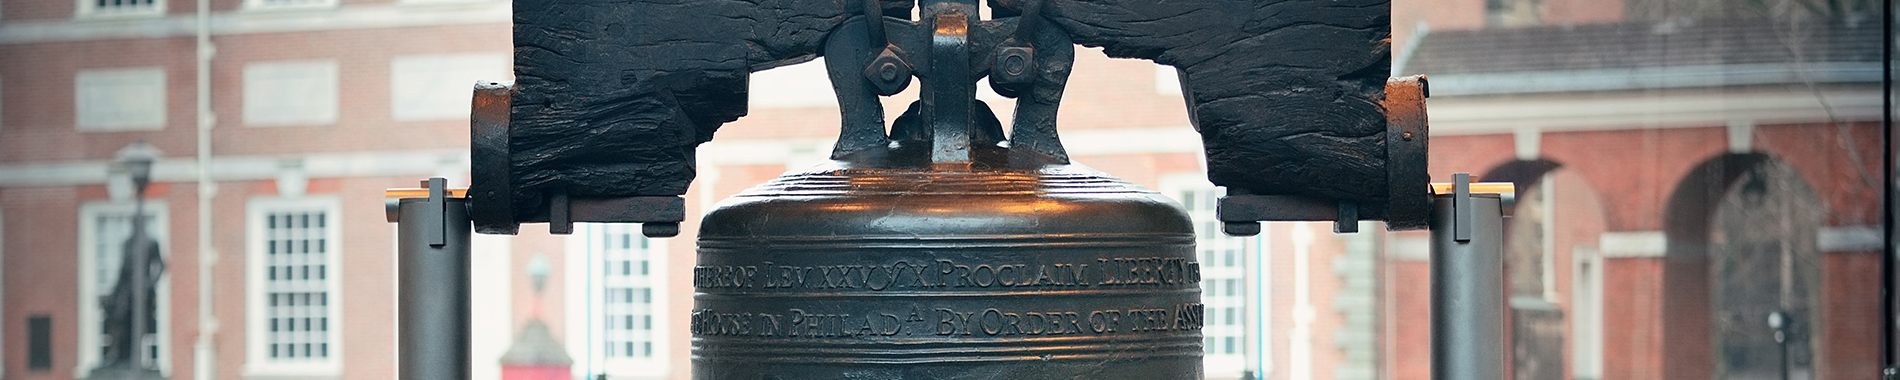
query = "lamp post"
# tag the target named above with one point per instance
(137, 159)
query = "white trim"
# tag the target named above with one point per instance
(240, 168)
(287, 5)
(1408, 246)
(90, 316)
(120, 99)
(1644, 78)
(437, 86)
(1527, 142)
(340, 18)
(1850, 238)
(1475, 115)
(89, 10)
(2, 291)
(804, 85)
(1167, 81)
(1586, 305)
(1656, 244)
(290, 93)
(1741, 135)
(1300, 336)
(1633, 244)
(256, 357)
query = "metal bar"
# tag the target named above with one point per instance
(949, 91)
(432, 290)
(1467, 289)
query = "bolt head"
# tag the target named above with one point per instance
(1014, 65)
(888, 73)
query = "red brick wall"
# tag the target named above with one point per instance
(48, 288)
(1841, 162)
(1632, 319)
(1634, 169)
(1850, 338)
(1408, 318)
(1575, 12)
(363, 60)
(39, 122)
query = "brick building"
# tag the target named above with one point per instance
(314, 107)
(279, 265)
(1687, 170)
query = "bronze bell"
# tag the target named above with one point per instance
(887, 265)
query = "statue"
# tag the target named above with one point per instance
(122, 348)
(131, 309)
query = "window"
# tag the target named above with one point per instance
(439, 86)
(118, 8)
(1223, 285)
(120, 99)
(39, 343)
(293, 288)
(104, 228)
(288, 4)
(286, 93)
(623, 302)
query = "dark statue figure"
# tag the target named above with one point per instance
(134, 298)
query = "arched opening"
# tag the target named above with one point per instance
(1742, 271)
(1554, 273)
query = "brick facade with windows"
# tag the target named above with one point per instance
(1310, 303)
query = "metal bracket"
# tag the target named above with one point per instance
(659, 216)
(1240, 215)
(437, 232)
(1461, 206)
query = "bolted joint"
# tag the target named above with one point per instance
(888, 73)
(1013, 70)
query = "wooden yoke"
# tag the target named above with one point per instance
(612, 98)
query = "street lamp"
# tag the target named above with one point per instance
(1779, 323)
(137, 159)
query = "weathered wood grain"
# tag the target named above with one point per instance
(613, 97)
(1285, 93)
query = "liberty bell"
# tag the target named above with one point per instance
(941, 245)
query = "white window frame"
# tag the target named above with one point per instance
(1587, 313)
(585, 306)
(441, 2)
(86, 123)
(90, 315)
(253, 93)
(256, 328)
(3, 282)
(1208, 239)
(90, 9)
(268, 6)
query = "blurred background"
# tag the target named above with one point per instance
(1699, 184)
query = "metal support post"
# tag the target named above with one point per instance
(1467, 234)
(432, 249)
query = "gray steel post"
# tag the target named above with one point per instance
(1467, 234)
(432, 274)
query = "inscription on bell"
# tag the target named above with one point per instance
(947, 322)
(944, 273)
